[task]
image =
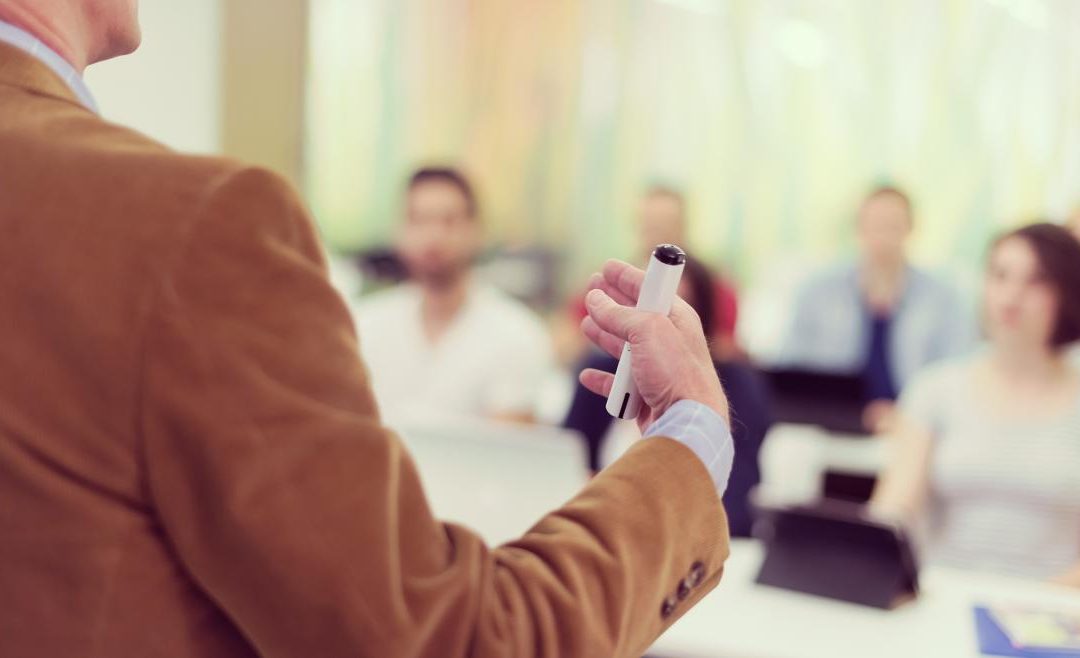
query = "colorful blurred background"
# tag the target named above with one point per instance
(774, 115)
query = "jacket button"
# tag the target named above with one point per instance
(684, 589)
(696, 575)
(668, 607)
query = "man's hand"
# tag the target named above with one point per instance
(671, 358)
(880, 416)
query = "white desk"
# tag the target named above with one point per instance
(743, 620)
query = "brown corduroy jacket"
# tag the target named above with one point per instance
(191, 461)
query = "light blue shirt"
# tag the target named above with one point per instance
(831, 328)
(23, 40)
(701, 429)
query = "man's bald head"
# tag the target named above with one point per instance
(81, 31)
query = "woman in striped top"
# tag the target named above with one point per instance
(986, 449)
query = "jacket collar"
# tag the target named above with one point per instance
(22, 70)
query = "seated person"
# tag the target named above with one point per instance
(986, 448)
(880, 317)
(661, 219)
(444, 341)
(745, 390)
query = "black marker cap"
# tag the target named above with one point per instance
(669, 254)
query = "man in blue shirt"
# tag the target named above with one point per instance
(879, 317)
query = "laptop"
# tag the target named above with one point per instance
(831, 401)
(496, 478)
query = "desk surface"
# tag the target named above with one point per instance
(743, 620)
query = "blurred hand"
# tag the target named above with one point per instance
(671, 357)
(879, 417)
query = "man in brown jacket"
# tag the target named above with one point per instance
(191, 463)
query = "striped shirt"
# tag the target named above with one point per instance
(1005, 493)
(701, 429)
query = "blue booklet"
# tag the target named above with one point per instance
(1026, 633)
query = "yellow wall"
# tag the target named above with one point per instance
(265, 66)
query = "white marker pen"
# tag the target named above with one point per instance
(657, 294)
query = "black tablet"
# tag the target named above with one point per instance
(835, 550)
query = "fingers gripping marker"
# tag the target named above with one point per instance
(657, 294)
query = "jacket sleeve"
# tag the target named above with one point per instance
(303, 518)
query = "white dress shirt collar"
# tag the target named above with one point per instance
(23, 40)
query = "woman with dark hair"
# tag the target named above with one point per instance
(746, 393)
(987, 448)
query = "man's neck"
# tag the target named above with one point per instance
(440, 306)
(883, 283)
(48, 27)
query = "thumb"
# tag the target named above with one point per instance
(618, 320)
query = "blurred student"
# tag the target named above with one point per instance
(444, 341)
(987, 446)
(880, 317)
(662, 218)
(746, 391)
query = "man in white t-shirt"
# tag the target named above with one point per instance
(445, 342)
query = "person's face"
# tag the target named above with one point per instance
(1020, 303)
(884, 227)
(438, 238)
(117, 24)
(660, 221)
